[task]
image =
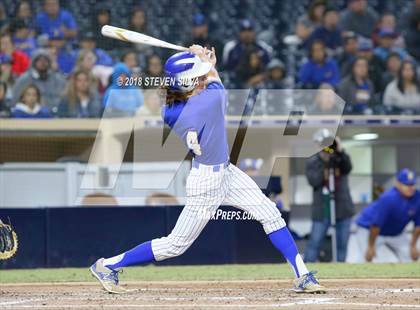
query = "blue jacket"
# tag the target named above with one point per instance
(121, 96)
(66, 60)
(311, 74)
(45, 24)
(21, 111)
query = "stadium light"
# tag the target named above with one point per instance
(365, 136)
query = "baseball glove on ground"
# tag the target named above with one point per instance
(8, 241)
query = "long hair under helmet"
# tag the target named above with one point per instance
(182, 70)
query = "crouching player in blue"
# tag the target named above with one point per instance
(381, 224)
(195, 111)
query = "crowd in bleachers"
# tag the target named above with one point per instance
(55, 63)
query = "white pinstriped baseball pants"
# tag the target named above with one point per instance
(206, 191)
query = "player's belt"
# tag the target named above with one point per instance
(214, 168)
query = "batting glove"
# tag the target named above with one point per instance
(192, 142)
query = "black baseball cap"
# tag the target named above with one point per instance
(247, 24)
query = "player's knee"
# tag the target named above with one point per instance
(175, 251)
(271, 218)
(177, 247)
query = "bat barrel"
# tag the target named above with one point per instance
(137, 37)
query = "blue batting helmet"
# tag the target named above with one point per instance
(183, 68)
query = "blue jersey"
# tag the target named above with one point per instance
(204, 113)
(45, 24)
(391, 212)
(316, 74)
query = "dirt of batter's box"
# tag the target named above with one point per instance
(220, 295)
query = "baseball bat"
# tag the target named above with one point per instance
(137, 37)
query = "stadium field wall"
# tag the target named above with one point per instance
(75, 237)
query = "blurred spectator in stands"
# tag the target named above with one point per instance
(81, 97)
(392, 67)
(86, 61)
(235, 51)
(412, 35)
(251, 166)
(200, 35)
(349, 53)
(4, 24)
(99, 199)
(154, 69)
(328, 32)
(317, 173)
(359, 18)
(325, 101)
(161, 199)
(102, 18)
(63, 58)
(24, 11)
(387, 39)
(4, 102)
(410, 10)
(53, 18)
(152, 103)
(251, 70)
(87, 42)
(311, 19)
(319, 68)
(138, 20)
(49, 82)
(121, 98)
(129, 58)
(376, 66)
(275, 75)
(29, 105)
(154, 66)
(6, 74)
(381, 225)
(404, 92)
(357, 89)
(20, 61)
(387, 21)
(23, 36)
(138, 23)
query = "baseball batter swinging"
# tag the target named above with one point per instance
(195, 110)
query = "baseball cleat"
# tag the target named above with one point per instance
(308, 284)
(108, 277)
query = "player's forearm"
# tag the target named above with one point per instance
(373, 234)
(416, 234)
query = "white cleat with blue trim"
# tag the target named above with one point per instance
(107, 277)
(308, 284)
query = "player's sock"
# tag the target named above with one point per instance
(141, 254)
(283, 241)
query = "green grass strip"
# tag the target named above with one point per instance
(217, 272)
